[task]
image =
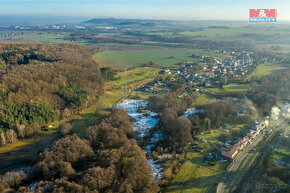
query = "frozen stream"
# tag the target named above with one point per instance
(142, 125)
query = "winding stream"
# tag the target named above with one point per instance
(143, 124)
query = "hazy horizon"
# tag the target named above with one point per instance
(142, 9)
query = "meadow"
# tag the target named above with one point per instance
(204, 98)
(196, 176)
(265, 69)
(231, 88)
(132, 58)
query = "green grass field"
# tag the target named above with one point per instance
(265, 69)
(282, 153)
(238, 88)
(196, 176)
(132, 58)
(204, 99)
(125, 83)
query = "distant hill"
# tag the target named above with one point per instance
(115, 21)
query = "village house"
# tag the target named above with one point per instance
(230, 153)
(242, 142)
(252, 134)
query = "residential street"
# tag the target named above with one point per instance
(235, 173)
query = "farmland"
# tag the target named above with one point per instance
(238, 30)
(265, 69)
(132, 58)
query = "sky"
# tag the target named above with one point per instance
(145, 9)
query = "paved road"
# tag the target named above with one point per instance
(275, 141)
(230, 175)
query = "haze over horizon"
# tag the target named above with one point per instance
(142, 9)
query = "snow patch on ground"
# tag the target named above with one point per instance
(143, 123)
(189, 112)
(157, 170)
(33, 184)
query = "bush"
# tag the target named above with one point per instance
(108, 73)
(119, 118)
(32, 130)
(14, 179)
(66, 129)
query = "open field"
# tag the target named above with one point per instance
(212, 138)
(233, 31)
(221, 29)
(24, 152)
(196, 176)
(285, 151)
(233, 88)
(203, 99)
(125, 83)
(265, 69)
(132, 58)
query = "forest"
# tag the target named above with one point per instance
(43, 83)
(105, 160)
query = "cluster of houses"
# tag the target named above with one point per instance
(234, 150)
(239, 64)
(155, 86)
(186, 73)
(230, 66)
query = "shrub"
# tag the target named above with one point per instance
(66, 129)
